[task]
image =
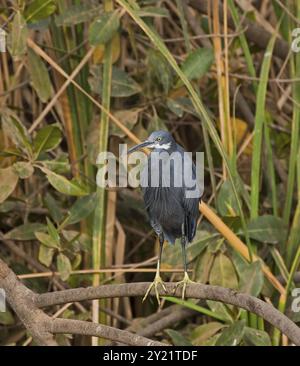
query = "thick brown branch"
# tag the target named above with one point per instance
(99, 330)
(196, 291)
(42, 327)
(21, 299)
(168, 321)
(26, 304)
(155, 318)
(161, 320)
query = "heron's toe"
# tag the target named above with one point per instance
(163, 286)
(157, 281)
(186, 280)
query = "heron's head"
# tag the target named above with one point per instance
(160, 140)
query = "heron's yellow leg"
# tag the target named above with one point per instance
(186, 280)
(157, 281)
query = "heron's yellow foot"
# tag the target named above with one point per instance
(157, 281)
(186, 280)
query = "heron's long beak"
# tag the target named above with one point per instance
(140, 146)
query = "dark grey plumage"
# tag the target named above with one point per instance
(172, 214)
(167, 207)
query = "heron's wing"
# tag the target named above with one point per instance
(148, 199)
(191, 199)
(191, 208)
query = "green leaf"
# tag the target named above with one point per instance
(81, 209)
(172, 253)
(252, 279)
(53, 207)
(185, 105)
(239, 262)
(175, 107)
(226, 201)
(6, 318)
(59, 165)
(192, 304)
(23, 169)
(8, 182)
(76, 14)
(39, 76)
(159, 71)
(223, 272)
(17, 38)
(203, 266)
(64, 266)
(211, 341)
(11, 152)
(53, 232)
(104, 28)
(25, 232)
(128, 118)
(201, 333)
(39, 9)
(197, 64)
(47, 240)
(63, 185)
(15, 130)
(122, 85)
(77, 260)
(220, 309)
(77, 241)
(232, 335)
(177, 338)
(8, 205)
(216, 245)
(47, 138)
(46, 255)
(152, 11)
(267, 229)
(255, 337)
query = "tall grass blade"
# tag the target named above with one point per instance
(99, 227)
(258, 128)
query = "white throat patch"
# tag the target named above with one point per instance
(163, 146)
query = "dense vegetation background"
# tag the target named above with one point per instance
(80, 77)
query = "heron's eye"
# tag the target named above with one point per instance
(158, 139)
